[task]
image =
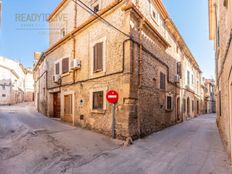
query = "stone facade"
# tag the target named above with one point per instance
(140, 53)
(16, 83)
(220, 24)
(210, 103)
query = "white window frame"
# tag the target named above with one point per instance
(104, 41)
(104, 89)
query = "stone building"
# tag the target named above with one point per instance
(16, 82)
(220, 24)
(132, 47)
(209, 92)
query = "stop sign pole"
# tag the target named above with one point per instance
(112, 97)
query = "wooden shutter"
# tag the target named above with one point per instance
(68, 104)
(179, 69)
(98, 57)
(169, 102)
(193, 106)
(58, 68)
(65, 65)
(162, 81)
(184, 105)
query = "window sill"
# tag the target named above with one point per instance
(65, 74)
(98, 71)
(98, 111)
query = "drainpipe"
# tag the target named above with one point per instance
(74, 41)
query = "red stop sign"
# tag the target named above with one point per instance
(112, 96)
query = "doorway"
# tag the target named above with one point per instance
(68, 109)
(56, 105)
(188, 107)
(178, 108)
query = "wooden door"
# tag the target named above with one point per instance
(68, 109)
(56, 105)
(178, 109)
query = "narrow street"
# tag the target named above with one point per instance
(33, 144)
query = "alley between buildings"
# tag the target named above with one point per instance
(33, 144)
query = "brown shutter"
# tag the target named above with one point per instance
(179, 69)
(57, 68)
(169, 102)
(100, 56)
(95, 58)
(65, 65)
(162, 81)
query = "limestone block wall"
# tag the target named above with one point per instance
(223, 73)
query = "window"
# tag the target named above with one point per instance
(192, 79)
(96, 8)
(177, 49)
(188, 78)
(44, 91)
(153, 14)
(220, 103)
(193, 106)
(218, 36)
(65, 65)
(57, 68)
(169, 103)
(162, 81)
(62, 32)
(98, 100)
(225, 3)
(3, 95)
(179, 69)
(95, 4)
(98, 57)
(184, 105)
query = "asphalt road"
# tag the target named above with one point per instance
(33, 144)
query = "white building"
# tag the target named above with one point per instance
(16, 82)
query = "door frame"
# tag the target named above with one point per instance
(73, 103)
(53, 95)
(178, 109)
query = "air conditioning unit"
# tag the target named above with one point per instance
(177, 78)
(75, 64)
(56, 78)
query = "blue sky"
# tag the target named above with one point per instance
(191, 18)
(19, 40)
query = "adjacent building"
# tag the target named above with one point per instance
(209, 92)
(16, 82)
(131, 46)
(220, 24)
